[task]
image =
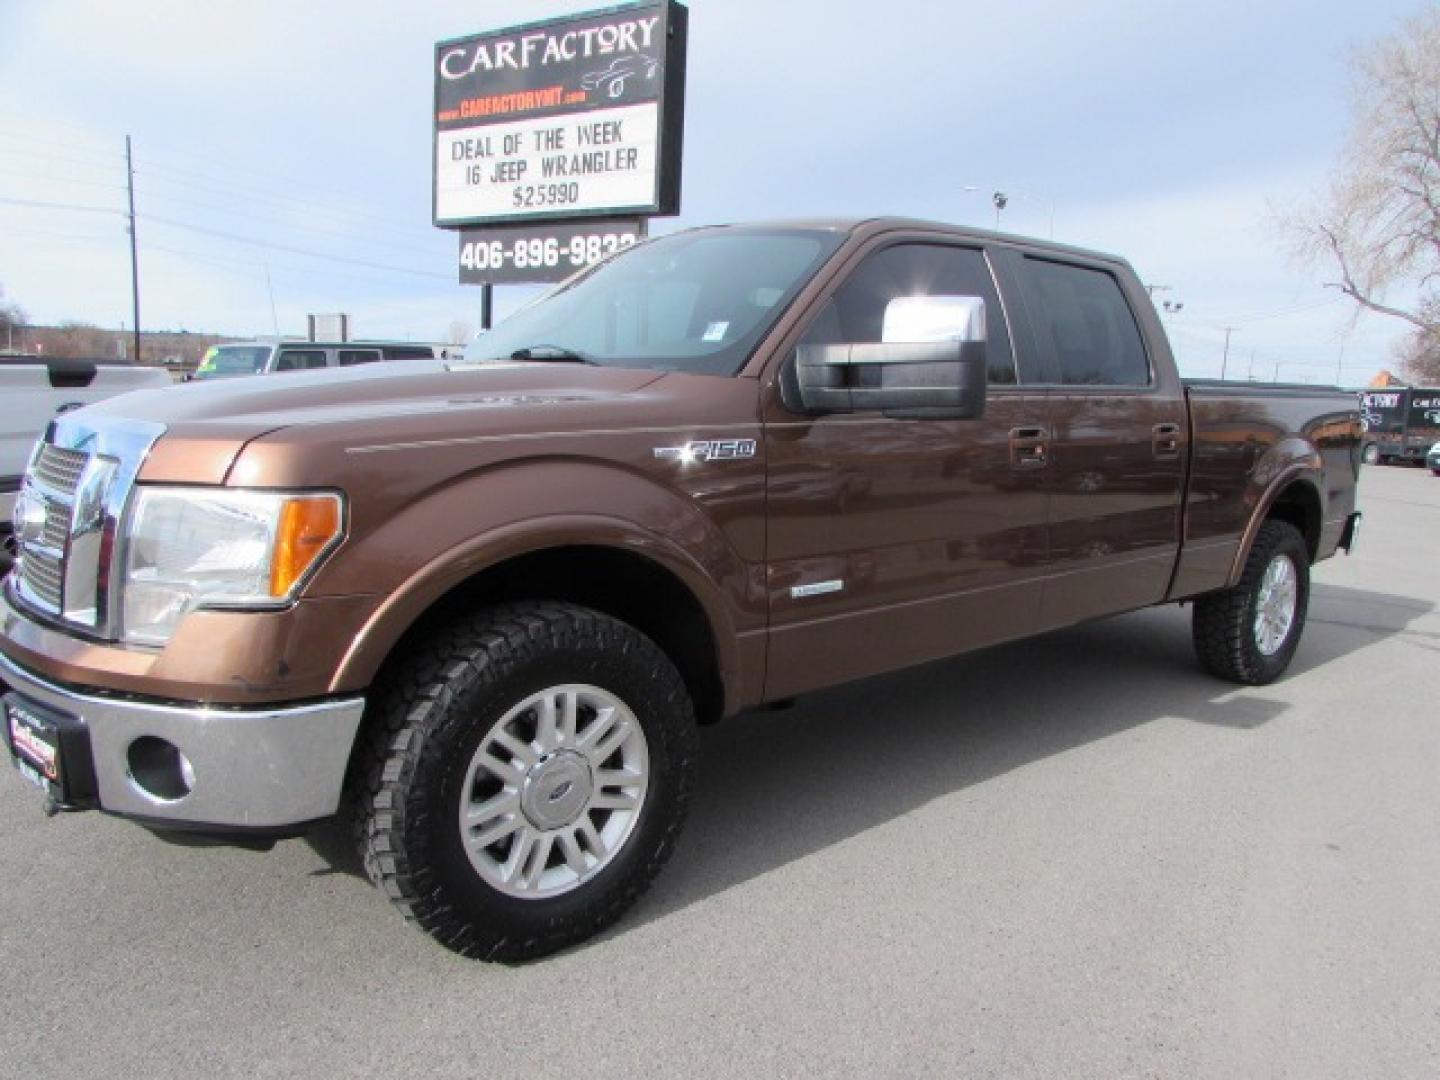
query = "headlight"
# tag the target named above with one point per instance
(201, 547)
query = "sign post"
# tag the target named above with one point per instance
(555, 141)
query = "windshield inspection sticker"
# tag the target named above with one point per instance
(715, 331)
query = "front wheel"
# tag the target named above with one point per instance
(530, 771)
(1249, 634)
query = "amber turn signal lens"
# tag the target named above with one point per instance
(307, 526)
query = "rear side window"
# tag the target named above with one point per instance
(856, 313)
(300, 359)
(1082, 318)
(351, 357)
(408, 352)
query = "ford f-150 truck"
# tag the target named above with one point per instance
(480, 607)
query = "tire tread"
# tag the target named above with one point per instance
(415, 701)
(1222, 625)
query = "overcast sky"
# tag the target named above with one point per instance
(294, 138)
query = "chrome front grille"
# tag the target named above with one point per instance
(68, 517)
(59, 469)
(55, 476)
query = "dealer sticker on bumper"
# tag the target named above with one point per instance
(34, 745)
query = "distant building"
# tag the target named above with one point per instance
(1383, 379)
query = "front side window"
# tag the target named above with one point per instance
(856, 313)
(227, 361)
(351, 357)
(695, 301)
(1082, 319)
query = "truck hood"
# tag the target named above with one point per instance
(362, 394)
(208, 423)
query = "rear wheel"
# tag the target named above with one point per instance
(530, 771)
(1249, 634)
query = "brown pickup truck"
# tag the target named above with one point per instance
(480, 607)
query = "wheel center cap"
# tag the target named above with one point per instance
(556, 790)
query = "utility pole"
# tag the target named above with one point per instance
(134, 259)
(1225, 360)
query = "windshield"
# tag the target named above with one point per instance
(223, 361)
(694, 301)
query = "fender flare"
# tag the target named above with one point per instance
(445, 572)
(1307, 472)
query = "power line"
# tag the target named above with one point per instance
(52, 177)
(46, 205)
(288, 226)
(41, 204)
(287, 269)
(290, 248)
(253, 192)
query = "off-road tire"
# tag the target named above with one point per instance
(427, 719)
(1224, 622)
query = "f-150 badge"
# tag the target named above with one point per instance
(708, 450)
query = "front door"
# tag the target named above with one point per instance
(892, 541)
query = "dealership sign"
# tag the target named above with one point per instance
(572, 118)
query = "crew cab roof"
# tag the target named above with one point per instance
(877, 225)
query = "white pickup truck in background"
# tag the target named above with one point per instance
(32, 391)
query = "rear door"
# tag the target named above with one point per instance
(1117, 440)
(892, 541)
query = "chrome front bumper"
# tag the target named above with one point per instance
(257, 768)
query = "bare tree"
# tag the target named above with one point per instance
(12, 317)
(1379, 223)
(78, 339)
(1418, 356)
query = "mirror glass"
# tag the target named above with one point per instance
(934, 318)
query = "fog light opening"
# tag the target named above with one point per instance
(159, 769)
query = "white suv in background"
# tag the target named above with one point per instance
(270, 357)
(34, 389)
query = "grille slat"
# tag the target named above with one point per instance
(57, 526)
(42, 576)
(60, 469)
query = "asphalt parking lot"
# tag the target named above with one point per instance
(1077, 856)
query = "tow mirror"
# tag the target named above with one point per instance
(930, 365)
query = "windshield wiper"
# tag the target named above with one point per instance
(550, 352)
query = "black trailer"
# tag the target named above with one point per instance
(1400, 424)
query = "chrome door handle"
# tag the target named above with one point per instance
(1029, 448)
(1165, 440)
